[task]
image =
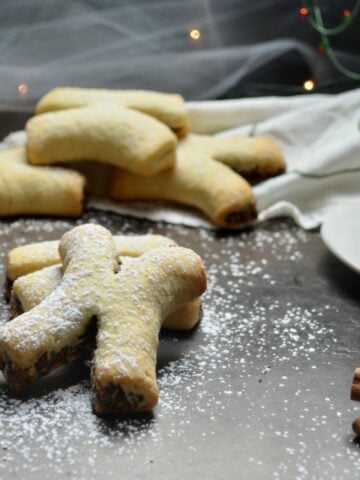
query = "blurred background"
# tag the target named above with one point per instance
(203, 49)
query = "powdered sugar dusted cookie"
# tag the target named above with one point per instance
(28, 190)
(123, 376)
(30, 290)
(165, 107)
(130, 302)
(35, 256)
(103, 133)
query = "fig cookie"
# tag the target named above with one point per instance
(103, 133)
(255, 158)
(28, 190)
(168, 108)
(130, 302)
(34, 256)
(197, 180)
(34, 279)
(30, 290)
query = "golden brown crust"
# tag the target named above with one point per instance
(103, 133)
(257, 158)
(252, 157)
(28, 190)
(184, 318)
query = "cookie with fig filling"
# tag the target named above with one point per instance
(198, 181)
(255, 158)
(31, 289)
(129, 301)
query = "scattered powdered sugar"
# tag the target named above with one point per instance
(259, 388)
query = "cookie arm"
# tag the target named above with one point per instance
(35, 256)
(31, 289)
(50, 334)
(123, 375)
(256, 158)
(25, 190)
(167, 108)
(225, 197)
(113, 135)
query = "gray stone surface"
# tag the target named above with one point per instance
(260, 390)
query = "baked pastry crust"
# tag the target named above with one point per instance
(104, 133)
(35, 256)
(130, 306)
(28, 190)
(30, 290)
(165, 279)
(167, 108)
(255, 158)
(197, 180)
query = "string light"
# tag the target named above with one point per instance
(312, 12)
(309, 85)
(324, 45)
(195, 34)
(315, 18)
(23, 88)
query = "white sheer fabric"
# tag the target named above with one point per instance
(146, 44)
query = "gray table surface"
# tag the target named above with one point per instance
(260, 390)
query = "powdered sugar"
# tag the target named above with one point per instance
(266, 375)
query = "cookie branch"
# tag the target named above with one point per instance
(105, 133)
(30, 290)
(197, 180)
(28, 190)
(35, 256)
(255, 158)
(165, 107)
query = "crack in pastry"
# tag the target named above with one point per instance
(197, 180)
(167, 108)
(103, 133)
(255, 158)
(30, 290)
(130, 307)
(35, 256)
(29, 190)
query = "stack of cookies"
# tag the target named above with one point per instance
(130, 145)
